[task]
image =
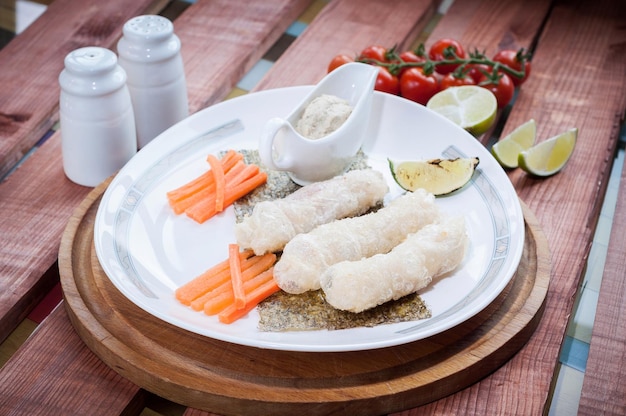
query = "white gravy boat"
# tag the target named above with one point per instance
(307, 160)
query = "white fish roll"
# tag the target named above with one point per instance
(359, 285)
(273, 223)
(307, 256)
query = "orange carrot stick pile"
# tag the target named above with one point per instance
(210, 193)
(233, 287)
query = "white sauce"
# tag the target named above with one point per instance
(322, 116)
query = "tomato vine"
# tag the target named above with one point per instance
(444, 65)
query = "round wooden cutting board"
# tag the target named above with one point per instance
(231, 379)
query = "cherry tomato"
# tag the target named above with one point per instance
(450, 80)
(444, 49)
(476, 71)
(503, 89)
(410, 57)
(514, 61)
(416, 86)
(339, 60)
(387, 82)
(374, 52)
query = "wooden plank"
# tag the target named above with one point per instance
(347, 26)
(222, 40)
(581, 43)
(35, 204)
(54, 372)
(489, 26)
(30, 65)
(604, 385)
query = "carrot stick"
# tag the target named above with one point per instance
(250, 268)
(205, 287)
(245, 187)
(191, 290)
(205, 209)
(190, 188)
(205, 281)
(228, 161)
(181, 205)
(263, 263)
(218, 177)
(203, 194)
(218, 303)
(222, 282)
(241, 176)
(231, 154)
(179, 201)
(231, 313)
(235, 276)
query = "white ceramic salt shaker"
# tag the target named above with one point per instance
(96, 115)
(149, 51)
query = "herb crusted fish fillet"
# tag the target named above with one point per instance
(273, 223)
(359, 285)
(308, 255)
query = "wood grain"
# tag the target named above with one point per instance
(222, 40)
(489, 26)
(347, 26)
(49, 370)
(604, 385)
(231, 379)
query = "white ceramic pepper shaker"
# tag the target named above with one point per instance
(96, 115)
(149, 51)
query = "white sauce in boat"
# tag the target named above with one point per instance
(322, 116)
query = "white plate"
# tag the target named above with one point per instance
(148, 252)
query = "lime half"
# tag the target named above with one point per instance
(472, 107)
(549, 156)
(507, 150)
(437, 176)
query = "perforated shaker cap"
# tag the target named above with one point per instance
(91, 70)
(148, 38)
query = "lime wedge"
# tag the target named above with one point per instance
(508, 149)
(549, 156)
(437, 176)
(472, 107)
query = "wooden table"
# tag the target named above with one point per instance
(578, 79)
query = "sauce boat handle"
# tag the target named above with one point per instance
(269, 153)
